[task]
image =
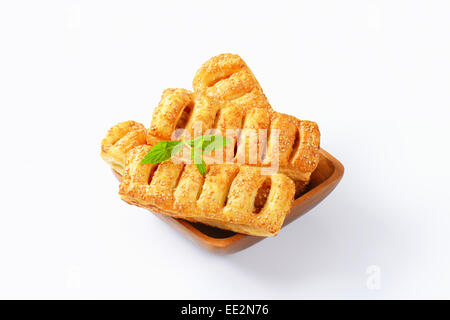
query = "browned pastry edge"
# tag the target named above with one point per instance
(120, 139)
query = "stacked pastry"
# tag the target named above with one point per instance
(248, 188)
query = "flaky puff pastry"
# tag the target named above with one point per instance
(224, 89)
(232, 197)
(120, 139)
(237, 101)
(287, 143)
(227, 77)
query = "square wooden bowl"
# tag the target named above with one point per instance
(323, 180)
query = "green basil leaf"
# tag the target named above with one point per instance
(164, 150)
(196, 142)
(196, 155)
(214, 142)
(201, 167)
(161, 152)
(175, 147)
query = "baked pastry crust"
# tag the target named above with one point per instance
(297, 141)
(236, 193)
(232, 197)
(120, 139)
(227, 77)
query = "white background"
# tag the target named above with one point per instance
(375, 75)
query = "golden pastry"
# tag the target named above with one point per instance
(228, 100)
(237, 192)
(226, 77)
(237, 198)
(120, 139)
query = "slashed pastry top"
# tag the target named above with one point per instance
(235, 193)
(237, 198)
(227, 100)
(227, 77)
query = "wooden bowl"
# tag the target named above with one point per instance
(323, 180)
